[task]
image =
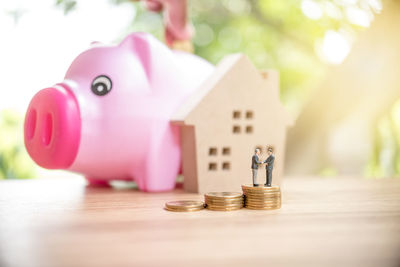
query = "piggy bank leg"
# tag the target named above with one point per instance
(162, 163)
(94, 182)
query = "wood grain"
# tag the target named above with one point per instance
(323, 222)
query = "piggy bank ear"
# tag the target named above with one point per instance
(153, 55)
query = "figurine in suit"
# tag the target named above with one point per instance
(255, 161)
(269, 166)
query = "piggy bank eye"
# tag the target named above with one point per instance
(101, 85)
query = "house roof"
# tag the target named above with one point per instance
(223, 67)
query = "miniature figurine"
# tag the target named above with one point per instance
(269, 166)
(254, 165)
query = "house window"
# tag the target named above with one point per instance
(212, 151)
(264, 74)
(226, 166)
(212, 166)
(249, 114)
(249, 129)
(226, 151)
(219, 158)
(236, 129)
(236, 114)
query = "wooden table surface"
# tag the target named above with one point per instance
(323, 222)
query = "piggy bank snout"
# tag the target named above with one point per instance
(52, 128)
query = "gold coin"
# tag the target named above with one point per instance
(180, 208)
(262, 195)
(262, 202)
(262, 199)
(259, 191)
(224, 198)
(260, 187)
(277, 194)
(224, 201)
(245, 192)
(263, 208)
(224, 206)
(184, 205)
(255, 192)
(268, 194)
(224, 209)
(183, 210)
(223, 195)
(272, 191)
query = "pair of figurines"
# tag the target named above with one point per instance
(269, 165)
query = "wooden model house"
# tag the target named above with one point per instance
(235, 111)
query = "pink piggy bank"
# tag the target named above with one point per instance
(110, 117)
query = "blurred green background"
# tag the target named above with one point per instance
(348, 114)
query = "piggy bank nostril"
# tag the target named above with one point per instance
(47, 131)
(31, 124)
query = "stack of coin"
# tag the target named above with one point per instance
(184, 205)
(262, 197)
(224, 201)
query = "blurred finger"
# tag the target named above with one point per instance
(171, 36)
(176, 20)
(154, 5)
